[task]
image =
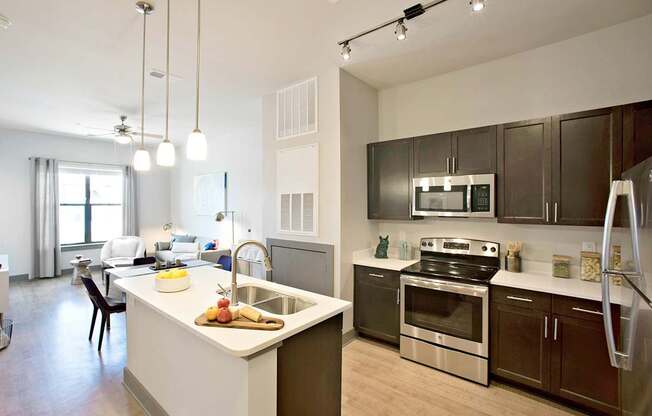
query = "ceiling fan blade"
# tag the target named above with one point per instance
(99, 135)
(151, 135)
(94, 128)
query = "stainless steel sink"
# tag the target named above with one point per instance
(272, 301)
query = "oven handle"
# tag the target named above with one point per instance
(445, 286)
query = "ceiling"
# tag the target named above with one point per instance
(70, 64)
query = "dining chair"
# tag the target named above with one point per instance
(106, 306)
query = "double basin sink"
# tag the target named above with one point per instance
(272, 301)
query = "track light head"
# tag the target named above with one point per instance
(346, 51)
(477, 5)
(401, 30)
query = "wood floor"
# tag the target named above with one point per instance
(51, 369)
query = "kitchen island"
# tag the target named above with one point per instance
(175, 367)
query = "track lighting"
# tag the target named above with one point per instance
(346, 51)
(477, 5)
(401, 30)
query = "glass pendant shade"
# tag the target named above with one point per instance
(165, 154)
(141, 160)
(196, 146)
(122, 138)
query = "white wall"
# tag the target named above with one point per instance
(15, 189)
(234, 146)
(328, 138)
(607, 67)
(358, 126)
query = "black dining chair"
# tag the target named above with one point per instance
(106, 306)
(141, 261)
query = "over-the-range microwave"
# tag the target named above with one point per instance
(454, 196)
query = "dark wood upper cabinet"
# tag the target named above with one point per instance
(389, 180)
(433, 155)
(376, 303)
(637, 133)
(524, 172)
(474, 151)
(586, 155)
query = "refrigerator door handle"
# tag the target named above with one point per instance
(617, 358)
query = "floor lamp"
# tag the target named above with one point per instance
(220, 216)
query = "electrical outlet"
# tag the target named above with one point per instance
(588, 246)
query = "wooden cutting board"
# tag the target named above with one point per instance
(266, 323)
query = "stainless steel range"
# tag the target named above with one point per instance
(445, 306)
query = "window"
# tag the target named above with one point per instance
(90, 204)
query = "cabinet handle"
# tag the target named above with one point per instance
(547, 213)
(379, 276)
(554, 331)
(545, 327)
(556, 213)
(454, 164)
(398, 296)
(577, 309)
(519, 299)
(448, 165)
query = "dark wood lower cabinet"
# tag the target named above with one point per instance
(556, 345)
(519, 350)
(376, 303)
(580, 368)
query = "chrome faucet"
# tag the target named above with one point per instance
(234, 267)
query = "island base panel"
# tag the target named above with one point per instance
(310, 371)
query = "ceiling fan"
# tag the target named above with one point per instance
(122, 133)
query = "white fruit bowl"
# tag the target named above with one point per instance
(172, 285)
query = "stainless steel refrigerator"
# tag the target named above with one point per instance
(630, 350)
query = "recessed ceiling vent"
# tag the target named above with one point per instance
(4, 22)
(296, 110)
(160, 74)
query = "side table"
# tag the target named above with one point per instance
(80, 269)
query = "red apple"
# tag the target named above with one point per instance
(223, 303)
(224, 316)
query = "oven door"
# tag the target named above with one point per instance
(451, 314)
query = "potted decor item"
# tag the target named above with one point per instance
(383, 245)
(513, 257)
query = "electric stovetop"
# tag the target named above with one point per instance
(463, 260)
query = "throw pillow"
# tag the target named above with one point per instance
(178, 247)
(179, 238)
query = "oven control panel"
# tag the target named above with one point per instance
(461, 246)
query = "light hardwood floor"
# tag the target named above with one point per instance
(51, 369)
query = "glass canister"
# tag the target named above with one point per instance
(590, 266)
(561, 266)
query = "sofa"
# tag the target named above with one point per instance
(186, 247)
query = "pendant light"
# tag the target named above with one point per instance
(196, 145)
(141, 157)
(165, 154)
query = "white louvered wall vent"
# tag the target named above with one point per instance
(296, 110)
(297, 179)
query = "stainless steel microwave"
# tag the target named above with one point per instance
(454, 196)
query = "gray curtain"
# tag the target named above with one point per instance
(46, 249)
(129, 202)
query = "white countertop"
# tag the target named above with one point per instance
(183, 307)
(572, 287)
(387, 264)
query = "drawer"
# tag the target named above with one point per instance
(378, 277)
(580, 308)
(521, 298)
